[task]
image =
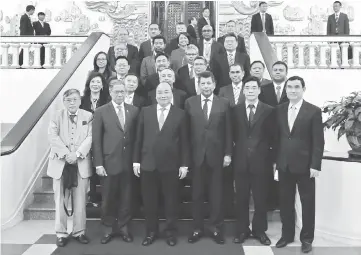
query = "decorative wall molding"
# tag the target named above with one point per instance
(293, 13)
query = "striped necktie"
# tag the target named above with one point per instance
(121, 116)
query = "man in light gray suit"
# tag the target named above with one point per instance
(70, 135)
(338, 23)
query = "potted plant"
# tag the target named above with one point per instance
(346, 116)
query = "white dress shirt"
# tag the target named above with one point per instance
(165, 112)
(209, 104)
(207, 49)
(129, 99)
(117, 110)
(282, 86)
(208, 21)
(190, 69)
(291, 109)
(41, 23)
(248, 110)
(120, 77)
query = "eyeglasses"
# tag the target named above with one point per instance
(71, 100)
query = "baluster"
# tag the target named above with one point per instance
(344, 55)
(334, 48)
(311, 54)
(356, 48)
(47, 57)
(58, 48)
(69, 51)
(26, 59)
(36, 63)
(279, 47)
(15, 47)
(290, 55)
(301, 58)
(323, 48)
(5, 55)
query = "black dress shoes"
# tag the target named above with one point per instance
(82, 239)
(306, 247)
(282, 243)
(241, 238)
(127, 237)
(262, 238)
(217, 237)
(106, 238)
(195, 237)
(61, 241)
(149, 239)
(171, 240)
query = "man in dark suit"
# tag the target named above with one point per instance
(41, 28)
(273, 94)
(253, 135)
(211, 139)
(179, 96)
(146, 47)
(262, 21)
(223, 61)
(191, 29)
(300, 150)
(257, 70)
(173, 44)
(205, 20)
(161, 158)
(231, 28)
(121, 68)
(113, 139)
(208, 47)
(131, 82)
(26, 27)
(233, 92)
(338, 23)
(161, 62)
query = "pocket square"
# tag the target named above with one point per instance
(84, 123)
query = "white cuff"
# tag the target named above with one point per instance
(136, 164)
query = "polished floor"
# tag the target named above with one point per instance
(37, 238)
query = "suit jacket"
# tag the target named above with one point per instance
(210, 140)
(171, 46)
(179, 97)
(216, 49)
(145, 50)
(178, 59)
(87, 106)
(139, 101)
(184, 82)
(256, 24)
(132, 58)
(166, 149)
(343, 25)
(26, 27)
(58, 134)
(147, 68)
(253, 143)
(227, 92)
(113, 146)
(265, 81)
(268, 95)
(241, 44)
(201, 23)
(301, 148)
(152, 82)
(40, 30)
(192, 33)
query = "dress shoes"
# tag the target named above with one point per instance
(282, 243)
(217, 237)
(106, 238)
(127, 237)
(61, 241)
(306, 247)
(262, 238)
(171, 240)
(82, 239)
(241, 238)
(149, 239)
(195, 237)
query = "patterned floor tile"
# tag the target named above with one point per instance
(46, 239)
(14, 249)
(41, 249)
(257, 250)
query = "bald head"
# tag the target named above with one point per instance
(164, 94)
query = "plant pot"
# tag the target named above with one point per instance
(354, 140)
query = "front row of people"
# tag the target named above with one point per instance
(162, 143)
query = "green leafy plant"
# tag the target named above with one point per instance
(344, 114)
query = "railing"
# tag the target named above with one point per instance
(318, 51)
(57, 50)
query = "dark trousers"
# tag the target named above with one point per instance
(207, 181)
(42, 55)
(94, 181)
(116, 201)
(306, 189)
(21, 57)
(245, 183)
(153, 182)
(272, 189)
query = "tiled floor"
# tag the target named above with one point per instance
(37, 238)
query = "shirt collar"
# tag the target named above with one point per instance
(281, 84)
(207, 42)
(231, 52)
(76, 113)
(337, 13)
(210, 98)
(130, 95)
(160, 107)
(255, 104)
(116, 105)
(298, 105)
(237, 86)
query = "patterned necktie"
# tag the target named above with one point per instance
(251, 114)
(278, 94)
(230, 59)
(191, 72)
(161, 118)
(205, 108)
(337, 17)
(121, 116)
(292, 117)
(72, 118)
(236, 91)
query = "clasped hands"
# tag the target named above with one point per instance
(71, 158)
(183, 170)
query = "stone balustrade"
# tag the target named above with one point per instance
(318, 51)
(57, 50)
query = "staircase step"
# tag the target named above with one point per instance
(46, 182)
(43, 196)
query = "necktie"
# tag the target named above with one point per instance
(121, 116)
(191, 72)
(161, 118)
(278, 94)
(251, 114)
(263, 23)
(196, 85)
(292, 117)
(337, 23)
(236, 92)
(205, 108)
(230, 59)
(72, 118)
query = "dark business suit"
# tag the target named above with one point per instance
(252, 143)
(299, 150)
(241, 44)
(113, 149)
(139, 101)
(265, 81)
(179, 97)
(42, 30)
(211, 140)
(227, 92)
(161, 153)
(201, 23)
(185, 83)
(257, 26)
(192, 33)
(145, 50)
(26, 28)
(132, 58)
(342, 27)
(216, 49)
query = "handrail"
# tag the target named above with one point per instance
(23, 127)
